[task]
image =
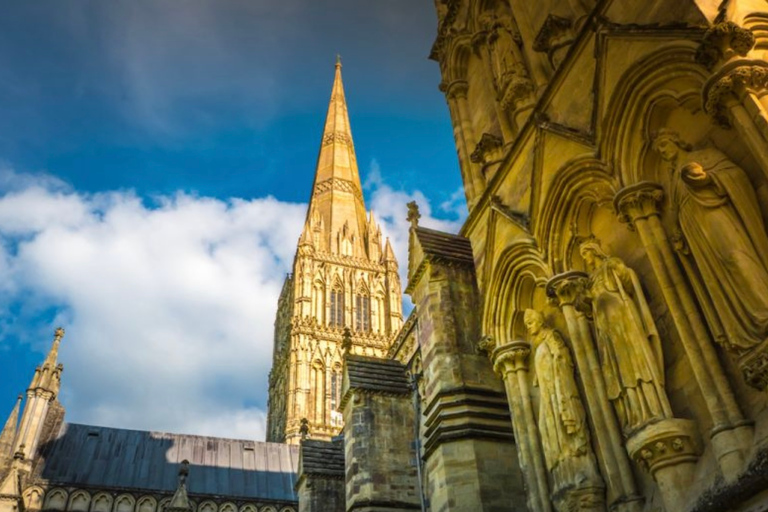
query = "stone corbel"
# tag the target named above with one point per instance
(723, 42)
(728, 87)
(555, 36)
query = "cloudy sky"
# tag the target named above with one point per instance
(155, 162)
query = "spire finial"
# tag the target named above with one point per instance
(338, 61)
(58, 334)
(413, 214)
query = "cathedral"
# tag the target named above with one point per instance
(595, 338)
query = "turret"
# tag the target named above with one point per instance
(42, 391)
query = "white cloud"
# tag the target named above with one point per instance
(168, 303)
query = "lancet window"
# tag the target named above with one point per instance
(337, 306)
(363, 312)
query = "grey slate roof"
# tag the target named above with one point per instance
(83, 455)
(374, 374)
(445, 245)
(322, 458)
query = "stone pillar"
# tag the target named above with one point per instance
(320, 485)
(511, 362)
(456, 94)
(467, 421)
(380, 461)
(731, 434)
(621, 490)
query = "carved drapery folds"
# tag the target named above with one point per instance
(562, 422)
(723, 243)
(629, 345)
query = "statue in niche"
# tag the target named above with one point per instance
(562, 420)
(721, 226)
(506, 58)
(629, 345)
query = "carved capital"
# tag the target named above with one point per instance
(663, 444)
(723, 41)
(567, 288)
(754, 366)
(511, 357)
(751, 76)
(455, 90)
(638, 201)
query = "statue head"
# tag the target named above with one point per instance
(592, 253)
(668, 144)
(533, 321)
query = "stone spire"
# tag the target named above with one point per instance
(48, 375)
(180, 500)
(337, 195)
(8, 435)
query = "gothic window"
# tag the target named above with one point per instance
(318, 376)
(362, 313)
(337, 306)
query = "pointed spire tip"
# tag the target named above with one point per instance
(338, 61)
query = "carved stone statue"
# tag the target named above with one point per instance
(629, 346)
(511, 76)
(562, 420)
(721, 225)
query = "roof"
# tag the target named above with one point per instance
(445, 245)
(374, 374)
(322, 457)
(84, 455)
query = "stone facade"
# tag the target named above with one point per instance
(610, 284)
(344, 280)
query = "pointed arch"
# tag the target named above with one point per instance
(101, 502)
(124, 503)
(79, 501)
(336, 315)
(56, 499)
(362, 307)
(517, 282)
(33, 498)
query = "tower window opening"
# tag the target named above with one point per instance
(337, 308)
(363, 313)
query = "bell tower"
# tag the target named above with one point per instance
(344, 282)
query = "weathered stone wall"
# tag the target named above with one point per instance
(321, 494)
(380, 461)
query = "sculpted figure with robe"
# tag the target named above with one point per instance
(720, 222)
(562, 420)
(629, 345)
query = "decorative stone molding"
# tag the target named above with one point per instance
(751, 76)
(638, 201)
(663, 444)
(723, 41)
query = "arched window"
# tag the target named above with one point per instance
(363, 312)
(337, 306)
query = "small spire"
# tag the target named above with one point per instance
(53, 354)
(389, 254)
(8, 435)
(180, 500)
(413, 214)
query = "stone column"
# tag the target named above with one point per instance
(456, 94)
(621, 490)
(511, 362)
(731, 435)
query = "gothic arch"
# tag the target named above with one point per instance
(146, 504)
(124, 503)
(33, 498)
(228, 507)
(101, 502)
(207, 506)
(577, 189)
(670, 72)
(458, 54)
(516, 283)
(56, 499)
(248, 508)
(79, 501)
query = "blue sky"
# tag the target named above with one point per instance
(155, 162)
